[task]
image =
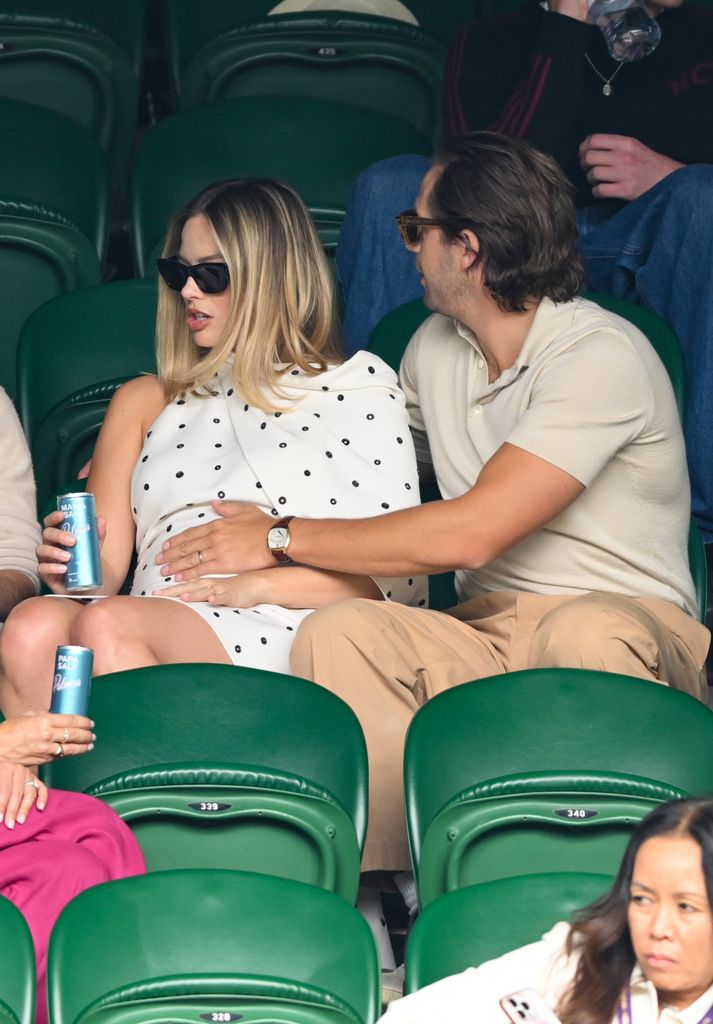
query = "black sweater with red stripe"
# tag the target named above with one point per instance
(526, 74)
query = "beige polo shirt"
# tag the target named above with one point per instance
(588, 394)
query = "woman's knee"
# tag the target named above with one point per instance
(30, 627)
(100, 623)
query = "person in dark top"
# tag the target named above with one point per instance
(635, 139)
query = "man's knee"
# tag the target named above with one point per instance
(594, 632)
(691, 188)
(328, 627)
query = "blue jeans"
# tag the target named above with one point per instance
(657, 251)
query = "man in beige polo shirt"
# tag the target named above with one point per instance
(553, 432)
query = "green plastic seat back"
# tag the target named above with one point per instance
(220, 766)
(109, 331)
(42, 255)
(190, 28)
(371, 62)
(465, 928)
(74, 68)
(318, 146)
(565, 759)
(394, 331)
(17, 967)
(50, 159)
(185, 945)
(65, 440)
(125, 23)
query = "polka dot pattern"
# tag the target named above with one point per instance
(342, 447)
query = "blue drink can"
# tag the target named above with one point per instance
(84, 570)
(72, 680)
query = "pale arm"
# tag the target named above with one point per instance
(289, 587)
(32, 740)
(516, 493)
(131, 411)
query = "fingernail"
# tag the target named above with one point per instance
(9, 823)
(21, 819)
(93, 737)
(90, 747)
(92, 723)
(39, 806)
(178, 576)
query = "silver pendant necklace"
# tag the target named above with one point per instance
(606, 88)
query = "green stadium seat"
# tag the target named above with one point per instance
(542, 770)
(469, 926)
(211, 945)
(42, 254)
(108, 329)
(372, 62)
(49, 158)
(17, 967)
(189, 28)
(81, 59)
(318, 146)
(219, 766)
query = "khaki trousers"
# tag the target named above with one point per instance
(386, 660)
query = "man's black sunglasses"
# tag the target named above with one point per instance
(211, 278)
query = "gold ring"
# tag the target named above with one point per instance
(32, 782)
(59, 751)
(65, 738)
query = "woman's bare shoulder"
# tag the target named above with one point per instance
(144, 393)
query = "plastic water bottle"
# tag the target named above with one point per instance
(630, 31)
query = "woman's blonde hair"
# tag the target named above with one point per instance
(282, 303)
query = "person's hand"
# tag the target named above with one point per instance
(578, 9)
(619, 167)
(237, 542)
(243, 591)
(52, 553)
(35, 739)
(19, 789)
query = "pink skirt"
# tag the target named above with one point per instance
(74, 843)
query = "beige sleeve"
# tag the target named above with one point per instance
(588, 402)
(408, 379)
(19, 529)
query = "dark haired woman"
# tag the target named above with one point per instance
(642, 954)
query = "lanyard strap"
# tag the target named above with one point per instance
(625, 1015)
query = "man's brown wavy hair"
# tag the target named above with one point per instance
(520, 205)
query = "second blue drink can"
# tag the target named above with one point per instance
(84, 570)
(72, 680)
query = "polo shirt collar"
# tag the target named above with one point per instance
(544, 327)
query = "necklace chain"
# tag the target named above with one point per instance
(606, 88)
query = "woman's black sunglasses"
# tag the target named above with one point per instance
(211, 278)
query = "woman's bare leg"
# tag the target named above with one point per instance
(29, 639)
(132, 632)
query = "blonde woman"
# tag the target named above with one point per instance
(252, 402)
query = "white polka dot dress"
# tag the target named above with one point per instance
(339, 446)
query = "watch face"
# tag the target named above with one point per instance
(278, 537)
